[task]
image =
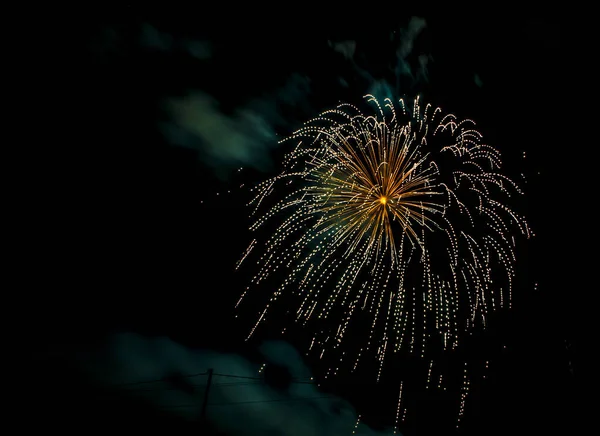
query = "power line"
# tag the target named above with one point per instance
(195, 385)
(233, 403)
(238, 376)
(298, 381)
(270, 401)
(159, 379)
(166, 379)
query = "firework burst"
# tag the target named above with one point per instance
(393, 224)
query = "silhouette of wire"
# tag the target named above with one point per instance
(158, 380)
(166, 379)
(270, 401)
(233, 403)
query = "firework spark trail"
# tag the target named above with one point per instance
(399, 216)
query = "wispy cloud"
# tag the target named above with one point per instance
(153, 38)
(406, 73)
(157, 369)
(230, 140)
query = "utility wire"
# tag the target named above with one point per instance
(233, 403)
(163, 379)
(159, 379)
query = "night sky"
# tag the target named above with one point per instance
(145, 220)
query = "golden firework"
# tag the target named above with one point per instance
(399, 215)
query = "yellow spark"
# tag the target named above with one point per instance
(398, 218)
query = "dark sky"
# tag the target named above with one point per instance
(145, 219)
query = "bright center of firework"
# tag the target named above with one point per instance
(383, 200)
